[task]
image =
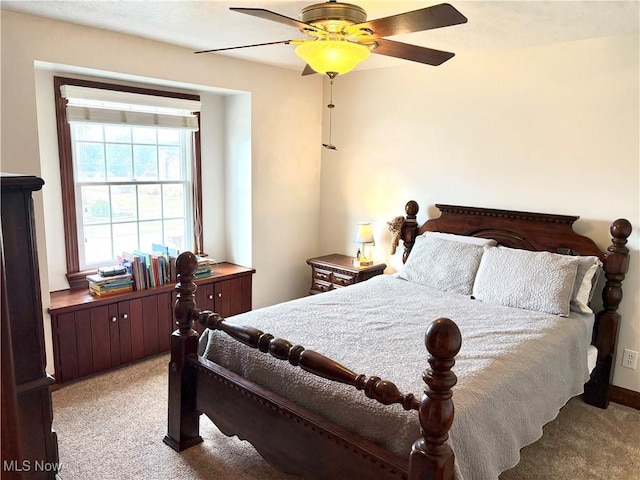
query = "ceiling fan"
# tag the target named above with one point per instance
(339, 35)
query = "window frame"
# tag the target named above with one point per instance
(75, 277)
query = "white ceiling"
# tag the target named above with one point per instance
(199, 25)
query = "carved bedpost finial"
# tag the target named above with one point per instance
(411, 209)
(185, 306)
(409, 229)
(430, 453)
(617, 264)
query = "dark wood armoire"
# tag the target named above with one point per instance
(29, 446)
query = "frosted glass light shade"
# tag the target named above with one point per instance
(337, 56)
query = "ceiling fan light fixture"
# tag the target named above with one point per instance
(336, 56)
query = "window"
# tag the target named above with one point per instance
(130, 172)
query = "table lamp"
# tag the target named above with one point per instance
(363, 236)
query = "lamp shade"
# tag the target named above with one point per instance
(363, 234)
(336, 56)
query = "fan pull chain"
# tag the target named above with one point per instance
(330, 106)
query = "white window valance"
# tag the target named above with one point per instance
(94, 105)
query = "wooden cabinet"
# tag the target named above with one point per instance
(92, 334)
(93, 339)
(336, 271)
(32, 450)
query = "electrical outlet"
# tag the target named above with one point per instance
(629, 359)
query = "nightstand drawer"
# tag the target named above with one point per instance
(341, 280)
(324, 275)
(319, 286)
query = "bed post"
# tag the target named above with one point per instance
(431, 457)
(605, 338)
(409, 228)
(183, 420)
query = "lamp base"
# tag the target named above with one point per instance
(361, 262)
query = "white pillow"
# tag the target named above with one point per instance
(583, 288)
(461, 238)
(447, 265)
(540, 281)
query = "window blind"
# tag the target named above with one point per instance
(93, 105)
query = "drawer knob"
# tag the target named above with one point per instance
(211, 296)
(114, 319)
(125, 315)
(219, 295)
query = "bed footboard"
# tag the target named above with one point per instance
(196, 385)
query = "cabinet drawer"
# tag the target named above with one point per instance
(323, 275)
(342, 280)
(320, 286)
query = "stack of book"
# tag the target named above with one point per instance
(205, 267)
(101, 286)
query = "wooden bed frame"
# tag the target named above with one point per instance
(298, 441)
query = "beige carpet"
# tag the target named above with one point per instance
(112, 426)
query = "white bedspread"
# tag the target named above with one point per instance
(515, 370)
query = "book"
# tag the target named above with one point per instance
(115, 291)
(100, 280)
(132, 263)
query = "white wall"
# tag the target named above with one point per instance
(239, 232)
(551, 129)
(282, 151)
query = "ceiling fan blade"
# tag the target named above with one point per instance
(285, 42)
(428, 18)
(275, 17)
(308, 70)
(414, 53)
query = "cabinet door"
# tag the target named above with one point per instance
(233, 296)
(165, 321)
(84, 343)
(204, 297)
(101, 332)
(156, 323)
(115, 322)
(67, 356)
(129, 314)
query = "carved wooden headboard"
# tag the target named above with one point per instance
(526, 230)
(544, 232)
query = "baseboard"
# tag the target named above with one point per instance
(624, 396)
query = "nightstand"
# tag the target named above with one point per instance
(336, 271)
